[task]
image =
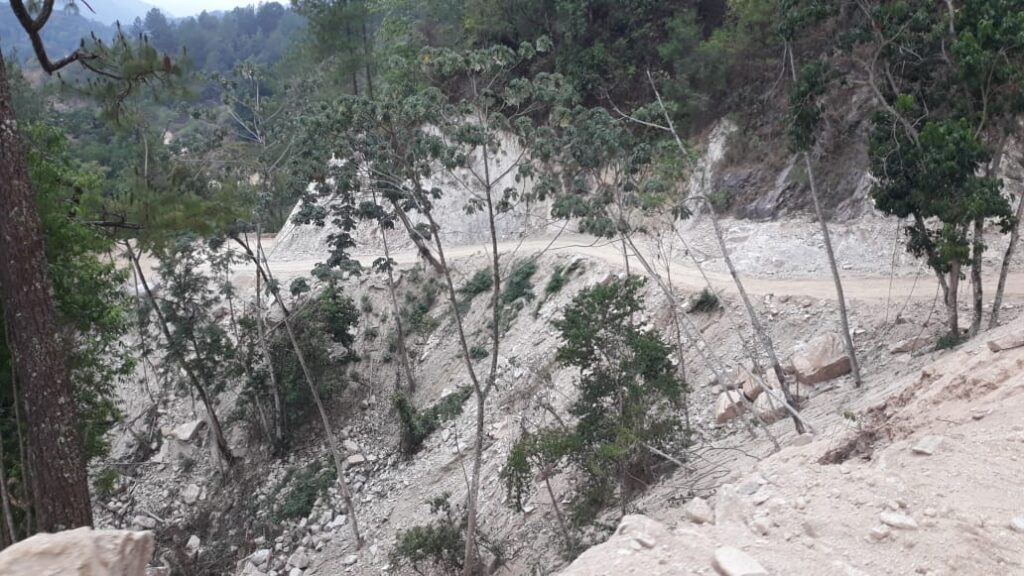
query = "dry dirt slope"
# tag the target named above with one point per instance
(932, 486)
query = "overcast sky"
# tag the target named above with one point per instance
(182, 8)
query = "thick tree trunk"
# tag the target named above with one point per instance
(844, 321)
(5, 497)
(59, 480)
(1005, 269)
(977, 249)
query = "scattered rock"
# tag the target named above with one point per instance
(190, 495)
(355, 459)
(699, 511)
(193, 545)
(769, 409)
(350, 446)
(259, 557)
(909, 345)
(928, 445)
(187, 431)
(731, 561)
(81, 552)
(823, 359)
(295, 572)
(349, 560)
(299, 558)
(1017, 524)
(1008, 342)
(897, 520)
(144, 522)
(730, 507)
(879, 533)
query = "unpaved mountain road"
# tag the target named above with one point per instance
(684, 273)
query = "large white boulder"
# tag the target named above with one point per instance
(822, 359)
(80, 552)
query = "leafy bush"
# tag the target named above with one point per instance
(519, 285)
(439, 544)
(628, 392)
(307, 484)
(478, 352)
(106, 482)
(707, 301)
(948, 341)
(560, 277)
(481, 282)
(418, 425)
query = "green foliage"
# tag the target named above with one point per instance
(437, 547)
(805, 106)
(707, 301)
(519, 285)
(478, 352)
(627, 395)
(947, 341)
(418, 425)
(481, 282)
(106, 482)
(303, 488)
(561, 276)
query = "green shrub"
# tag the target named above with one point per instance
(519, 286)
(106, 482)
(481, 282)
(436, 547)
(948, 341)
(371, 333)
(418, 425)
(365, 304)
(707, 301)
(478, 352)
(307, 484)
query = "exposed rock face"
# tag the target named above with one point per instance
(823, 359)
(769, 409)
(81, 552)
(640, 546)
(1008, 342)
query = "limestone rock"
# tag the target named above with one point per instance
(769, 409)
(299, 559)
(295, 572)
(822, 359)
(350, 446)
(191, 494)
(187, 431)
(909, 345)
(699, 511)
(259, 557)
(730, 507)
(81, 552)
(897, 520)
(193, 545)
(349, 560)
(1008, 342)
(928, 445)
(355, 459)
(144, 522)
(641, 545)
(731, 561)
(730, 405)
(1017, 524)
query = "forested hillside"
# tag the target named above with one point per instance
(473, 286)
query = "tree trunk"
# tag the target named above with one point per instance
(274, 389)
(332, 440)
(1005, 269)
(762, 336)
(5, 496)
(417, 238)
(216, 431)
(977, 249)
(60, 483)
(951, 300)
(403, 351)
(844, 322)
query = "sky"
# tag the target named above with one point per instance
(181, 8)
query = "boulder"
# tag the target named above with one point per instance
(81, 552)
(1008, 342)
(730, 506)
(821, 360)
(928, 445)
(299, 559)
(144, 522)
(640, 545)
(187, 432)
(193, 545)
(355, 459)
(259, 557)
(1017, 524)
(731, 561)
(769, 410)
(730, 405)
(699, 511)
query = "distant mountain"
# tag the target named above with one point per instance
(110, 11)
(62, 34)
